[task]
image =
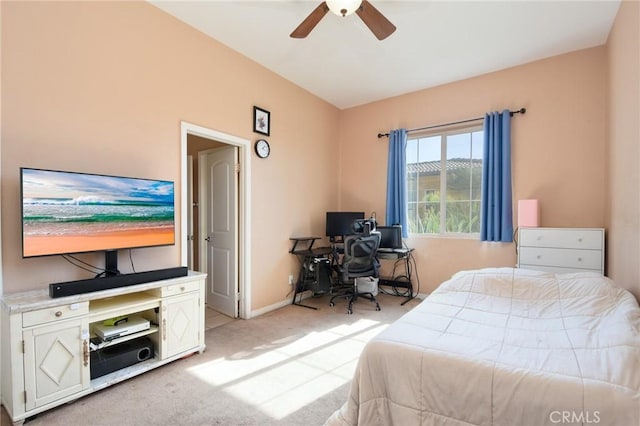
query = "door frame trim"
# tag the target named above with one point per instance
(244, 205)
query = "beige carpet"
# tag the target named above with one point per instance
(292, 366)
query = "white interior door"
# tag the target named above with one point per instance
(220, 225)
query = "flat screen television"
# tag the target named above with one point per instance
(69, 212)
(339, 224)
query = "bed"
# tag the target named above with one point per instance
(504, 346)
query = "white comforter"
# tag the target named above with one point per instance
(505, 347)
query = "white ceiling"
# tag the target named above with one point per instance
(436, 42)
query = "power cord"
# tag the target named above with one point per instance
(79, 263)
(411, 266)
(415, 266)
(87, 266)
(133, 268)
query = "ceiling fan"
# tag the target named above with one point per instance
(377, 23)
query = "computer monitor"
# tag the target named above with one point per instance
(390, 236)
(340, 224)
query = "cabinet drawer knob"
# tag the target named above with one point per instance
(58, 314)
(182, 288)
(579, 259)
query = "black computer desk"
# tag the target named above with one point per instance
(399, 281)
(315, 268)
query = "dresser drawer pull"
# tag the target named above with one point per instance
(85, 353)
(58, 314)
(164, 329)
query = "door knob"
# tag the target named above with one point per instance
(208, 239)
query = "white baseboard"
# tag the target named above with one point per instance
(279, 305)
(305, 295)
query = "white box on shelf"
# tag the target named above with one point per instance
(367, 285)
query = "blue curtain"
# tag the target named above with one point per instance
(497, 216)
(397, 181)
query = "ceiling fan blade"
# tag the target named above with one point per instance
(377, 23)
(310, 21)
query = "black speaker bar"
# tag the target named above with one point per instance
(70, 288)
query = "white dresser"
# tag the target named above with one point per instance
(561, 249)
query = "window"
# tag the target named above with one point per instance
(444, 180)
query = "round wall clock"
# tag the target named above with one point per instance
(262, 148)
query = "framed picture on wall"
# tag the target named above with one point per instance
(261, 120)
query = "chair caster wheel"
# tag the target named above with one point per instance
(377, 308)
(349, 312)
(332, 304)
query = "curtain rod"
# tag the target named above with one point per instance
(519, 111)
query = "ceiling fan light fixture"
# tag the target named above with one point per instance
(343, 7)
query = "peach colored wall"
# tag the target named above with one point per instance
(102, 87)
(81, 81)
(557, 152)
(1, 80)
(623, 201)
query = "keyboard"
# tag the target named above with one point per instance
(391, 250)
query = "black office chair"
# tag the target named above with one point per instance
(359, 261)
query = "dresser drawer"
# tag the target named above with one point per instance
(175, 289)
(57, 313)
(565, 258)
(561, 238)
(556, 269)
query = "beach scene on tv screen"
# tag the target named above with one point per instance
(64, 212)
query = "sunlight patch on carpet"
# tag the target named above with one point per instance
(282, 377)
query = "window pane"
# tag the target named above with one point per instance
(459, 146)
(458, 187)
(460, 203)
(412, 151)
(428, 185)
(412, 187)
(463, 216)
(428, 220)
(477, 144)
(459, 167)
(412, 216)
(429, 149)
(474, 223)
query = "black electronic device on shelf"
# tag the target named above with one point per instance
(390, 237)
(339, 224)
(315, 268)
(113, 358)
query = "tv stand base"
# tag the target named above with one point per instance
(41, 335)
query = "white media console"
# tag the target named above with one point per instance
(47, 351)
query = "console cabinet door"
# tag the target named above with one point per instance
(180, 323)
(55, 361)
